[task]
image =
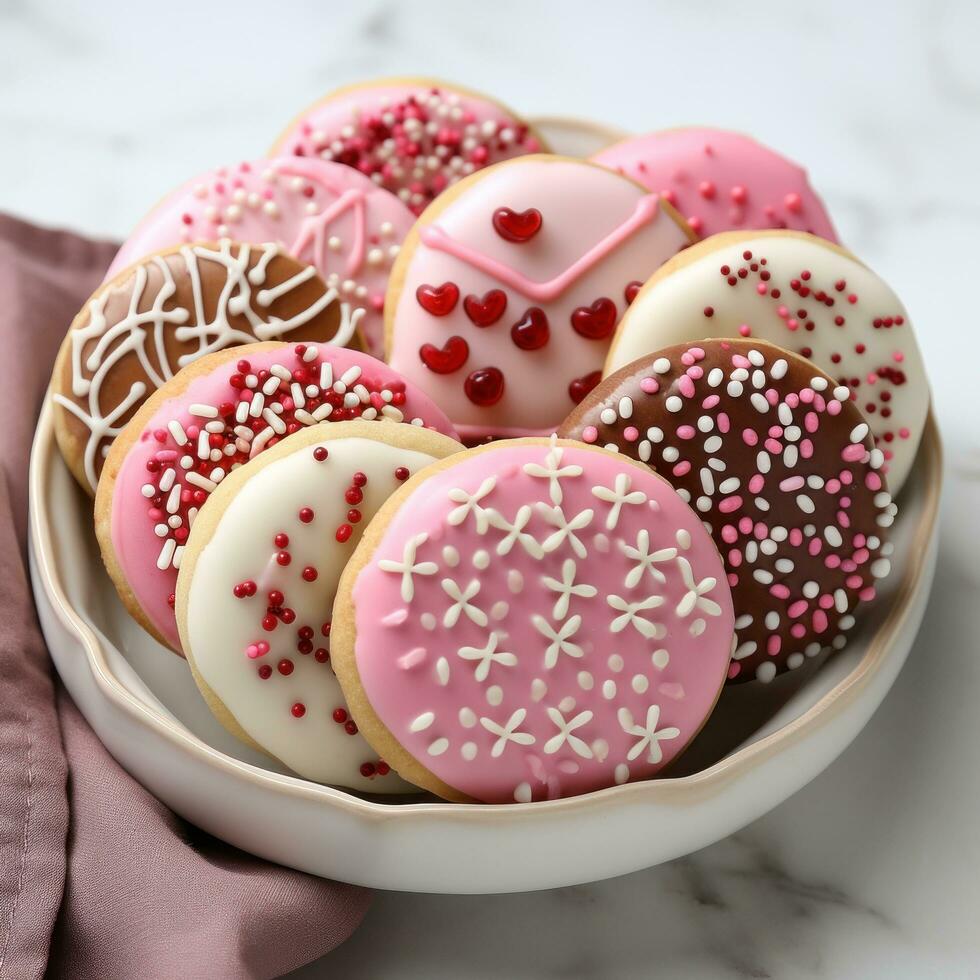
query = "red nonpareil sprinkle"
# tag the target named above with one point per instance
(383, 768)
(401, 473)
(367, 769)
(353, 515)
(359, 479)
(298, 709)
(309, 574)
(321, 655)
(287, 616)
(344, 532)
(283, 558)
(350, 728)
(281, 540)
(265, 672)
(339, 715)
(320, 453)
(353, 495)
(306, 515)
(285, 666)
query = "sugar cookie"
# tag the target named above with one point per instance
(804, 294)
(257, 583)
(506, 293)
(326, 214)
(413, 136)
(201, 426)
(781, 467)
(721, 181)
(163, 313)
(532, 619)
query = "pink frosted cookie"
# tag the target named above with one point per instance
(530, 620)
(508, 289)
(806, 295)
(325, 214)
(257, 583)
(413, 136)
(208, 420)
(721, 181)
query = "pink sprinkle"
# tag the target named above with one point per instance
(745, 330)
(779, 591)
(826, 601)
(806, 449)
(732, 580)
(710, 402)
(833, 407)
(853, 453)
(811, 422)
(806, 395)
(685, 432)
(685, 386)
(687, 358)
(724, 423)
(739, 360)
(832, 561)
(898, 357)
(774, 447)
(745, 524)
(698, 353)
(772, 396)
(695, 373)
(729, 503)
(590, 433)
(867, 594)
(798, 608)
(773, 645)
(631, 433)
(750, 437)
(832, 486)
(734, 557)
(797, 630)
(795, 537)
(760, 531)
(872, 481)
(860, 540)
(904, 433)
(815, 546)
(650, 385)
(854, 581)
(761, 289)
(728, 534)
(792, 483)
(682, 468)
(734, 669)
(756, 483)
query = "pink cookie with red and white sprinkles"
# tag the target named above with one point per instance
(206, 422)
(780, 466)
(532, 619)
(807, 295)
(508, 289)
(328, 215)
(256, 589)
(721, 181)
(413, 136)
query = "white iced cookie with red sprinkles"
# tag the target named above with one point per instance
(256, 590)
(804, 294)
(780, 466)
(508, 289)
(721, 181)
(333, 217)
(413, 136)
(532, 619)
(205, 423)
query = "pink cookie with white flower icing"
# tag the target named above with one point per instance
(508, 289)
(211, 418)
(328, 215)
(413, 136)
(721, 181)
(532, 619)
(257, 583)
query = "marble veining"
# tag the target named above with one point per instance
(871, 870)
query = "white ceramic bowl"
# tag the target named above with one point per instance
(760, 745)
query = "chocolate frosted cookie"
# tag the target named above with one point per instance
(783, 470)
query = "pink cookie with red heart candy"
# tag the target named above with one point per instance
(506, 294)
(322, 213)
(721, 181)
(413, 136)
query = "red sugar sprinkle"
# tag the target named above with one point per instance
(265, 672)
(310, 574)
(367, 769)
(298, 709)
(359, 479)
(283, 558)
(285, 667)
(344, 532)
(339, 715)
(320, 454)
(306, 515)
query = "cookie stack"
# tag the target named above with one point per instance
(451, 464)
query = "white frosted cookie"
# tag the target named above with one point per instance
(806, 295)
(256, 588)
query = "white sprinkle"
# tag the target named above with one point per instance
(585, 680)
(438, 746)
(661, 365)
(166, 554)
(715, 377)
(278, 426)
(735, 389)
(708, 481)
(772, 620)
(713, 444)
(201, 481)
(819, 383)
(832, 536)
(442, 671)
(621, 774)
(609, 689)
(880, 567)
(674, 403)
(203, 411)
(744, 621)
(759, 402)
(625, 407)
(794, 660)
(805, 503)
(422, 722)
(522, 794)
(607, 416)
(515, 581)
(660, 658)
(257, 404)
(538, 689)
(495, 695)
(271, 386)
(762, 576)
(326, 376)
(468, 751)
(640, 683)
(215, 427)
(161, 530)
(778, 369)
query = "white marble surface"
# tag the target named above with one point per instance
(870, 871)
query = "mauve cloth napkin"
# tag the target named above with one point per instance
(98, 878)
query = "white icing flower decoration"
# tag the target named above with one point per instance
(508, 732)
(631, 616)
(487, 656)
(647, 734)
(566, 528)
(645, 559)
(696, 595)
(566, 588)
(553, 471)
(560, 639)
(408, 567)
(470, 504)
(515, 532)
(461, 603)
(618, 495)
(565, 729)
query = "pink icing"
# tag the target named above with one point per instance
(136, 516)
(322, 213)
(722, 181)
(415, 140)
(598, 235)
(447, 678)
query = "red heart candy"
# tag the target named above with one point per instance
(438, 300)
(488, 310)
(596, 322)
(532, 331)
(451, 357)
(517, 226)
(631, 290)
(580, 387)
(485, 387)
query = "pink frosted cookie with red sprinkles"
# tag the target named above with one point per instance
(413, 136)
(508, 289)
(336, 219)
(721, 181)
(256, 588)
(804, 294)
(782, 469)
(532, 619)
(206, 422)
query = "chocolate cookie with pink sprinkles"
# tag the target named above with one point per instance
(782, 469)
